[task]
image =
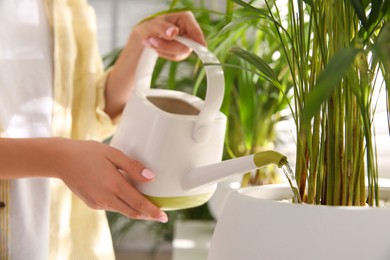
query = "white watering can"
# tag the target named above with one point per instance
(180, 137)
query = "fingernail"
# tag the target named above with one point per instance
(170, 31)
(153, 42)
(148, 174)
(163, 218)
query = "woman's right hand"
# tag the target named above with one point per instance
(103, 177)
(100, 175)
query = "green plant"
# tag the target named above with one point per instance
(257, 97)
(335, 52)
(252, 104)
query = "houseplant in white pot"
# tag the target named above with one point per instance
(336, 52)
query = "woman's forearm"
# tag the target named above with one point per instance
(23, 158)
(121, 79)
(100, 175)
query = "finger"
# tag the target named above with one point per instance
(119, 195)
(169, 26)
(131, 197)
(171, 50)
(121, 207)
(188, 26)
(160, 28)
(133, 169)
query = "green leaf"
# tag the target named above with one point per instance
(172, 75)
(381, 48)
(234, 24)
(328, 80)
(257, 62)
(375, 12)
(381, 54)
(360, 12)
(308, 2)
(386, 8)
(246, 104)
(173, 4)
(110, 58)
(250, 7)
(158, 70)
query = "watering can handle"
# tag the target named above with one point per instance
(215, 84)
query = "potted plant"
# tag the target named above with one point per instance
(337, 55)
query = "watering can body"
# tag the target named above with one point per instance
(163, 142)
(172, 132)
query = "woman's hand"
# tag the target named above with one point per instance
(103, 178)
(100, 175)
(159, 33)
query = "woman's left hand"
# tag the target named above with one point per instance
(159, 33)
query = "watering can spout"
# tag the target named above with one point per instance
(216, 172)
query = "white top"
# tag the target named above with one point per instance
(25, 111)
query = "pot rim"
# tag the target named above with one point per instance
(275, 192)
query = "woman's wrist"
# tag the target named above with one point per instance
(28, 157)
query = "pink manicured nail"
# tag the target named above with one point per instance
(170, 31)
(148, 174)
(153, 42)
(163, 218)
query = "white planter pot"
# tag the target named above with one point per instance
(221, 194)
(253, 225)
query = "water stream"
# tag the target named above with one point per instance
(292, 181)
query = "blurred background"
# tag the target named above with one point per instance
(116, 18)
